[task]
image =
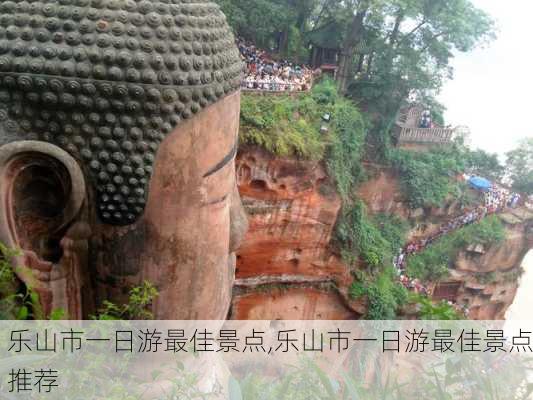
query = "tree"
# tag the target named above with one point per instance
(279, 24)
(481, 163)
(415, 42)
(257, 20)
(519, 167)
(353, 37)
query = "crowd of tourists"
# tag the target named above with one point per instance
(496, 199)
(425, 120)
(265, 73)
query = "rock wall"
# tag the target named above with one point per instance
(291, 302)
(286, 268)
(484, 279)
(487, 279)
(285, 257)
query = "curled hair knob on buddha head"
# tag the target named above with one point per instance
(122, 63)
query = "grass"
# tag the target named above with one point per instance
(384, 295)
(289, 126)
(374, 240)
(435, 261)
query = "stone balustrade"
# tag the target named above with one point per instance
(426, 135)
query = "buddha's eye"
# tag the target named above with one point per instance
(222, 163)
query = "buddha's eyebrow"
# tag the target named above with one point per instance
(222, 163)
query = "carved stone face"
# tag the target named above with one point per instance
(108, 80)
(192, 224)
(125, 114)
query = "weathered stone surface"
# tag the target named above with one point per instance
(108, 80)
(500, 264)
(276, 272)
(297, 303)
(42, 192)
(139, 95)
(292, 208)
(183, 244)
(185, 240)
(382, 192)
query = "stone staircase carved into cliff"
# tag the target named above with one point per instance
(509, 216)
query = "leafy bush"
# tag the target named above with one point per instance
(434, 262)
(373, 240)
(440, 311)
(10, 306)
(346, 151)
(428, 178)
(519, 167)
(487, 165)
(465, 196)
(140, 298)
(325, 92)
(393, 229)
(384, 295)
(17, 301)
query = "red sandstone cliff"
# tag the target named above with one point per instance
(287, 270)
(486, 279)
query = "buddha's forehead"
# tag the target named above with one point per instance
(106, 80)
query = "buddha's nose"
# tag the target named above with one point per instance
(238, 221)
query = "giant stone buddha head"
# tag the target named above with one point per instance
(118, 127)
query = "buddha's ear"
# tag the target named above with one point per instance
(42, 190)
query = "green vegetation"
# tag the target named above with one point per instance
(140, 298)
(428, 178)
(433, 263)
(367, 377)
(290, 126)
(373, 240)
(346, 152)
(17, 301)
(481, 163)
(283, 125)
(465, 197)
(383, 293)
(10, 304)
(520, 167)
(393, 229)
(387, 52)
(430, 311)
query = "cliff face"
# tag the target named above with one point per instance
(284, 265)
(287, 270)
(487, 279)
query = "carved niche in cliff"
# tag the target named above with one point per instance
(118, 126)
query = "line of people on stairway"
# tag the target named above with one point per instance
(496, 199)
(263, 73)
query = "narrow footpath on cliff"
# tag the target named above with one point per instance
(496, 200)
